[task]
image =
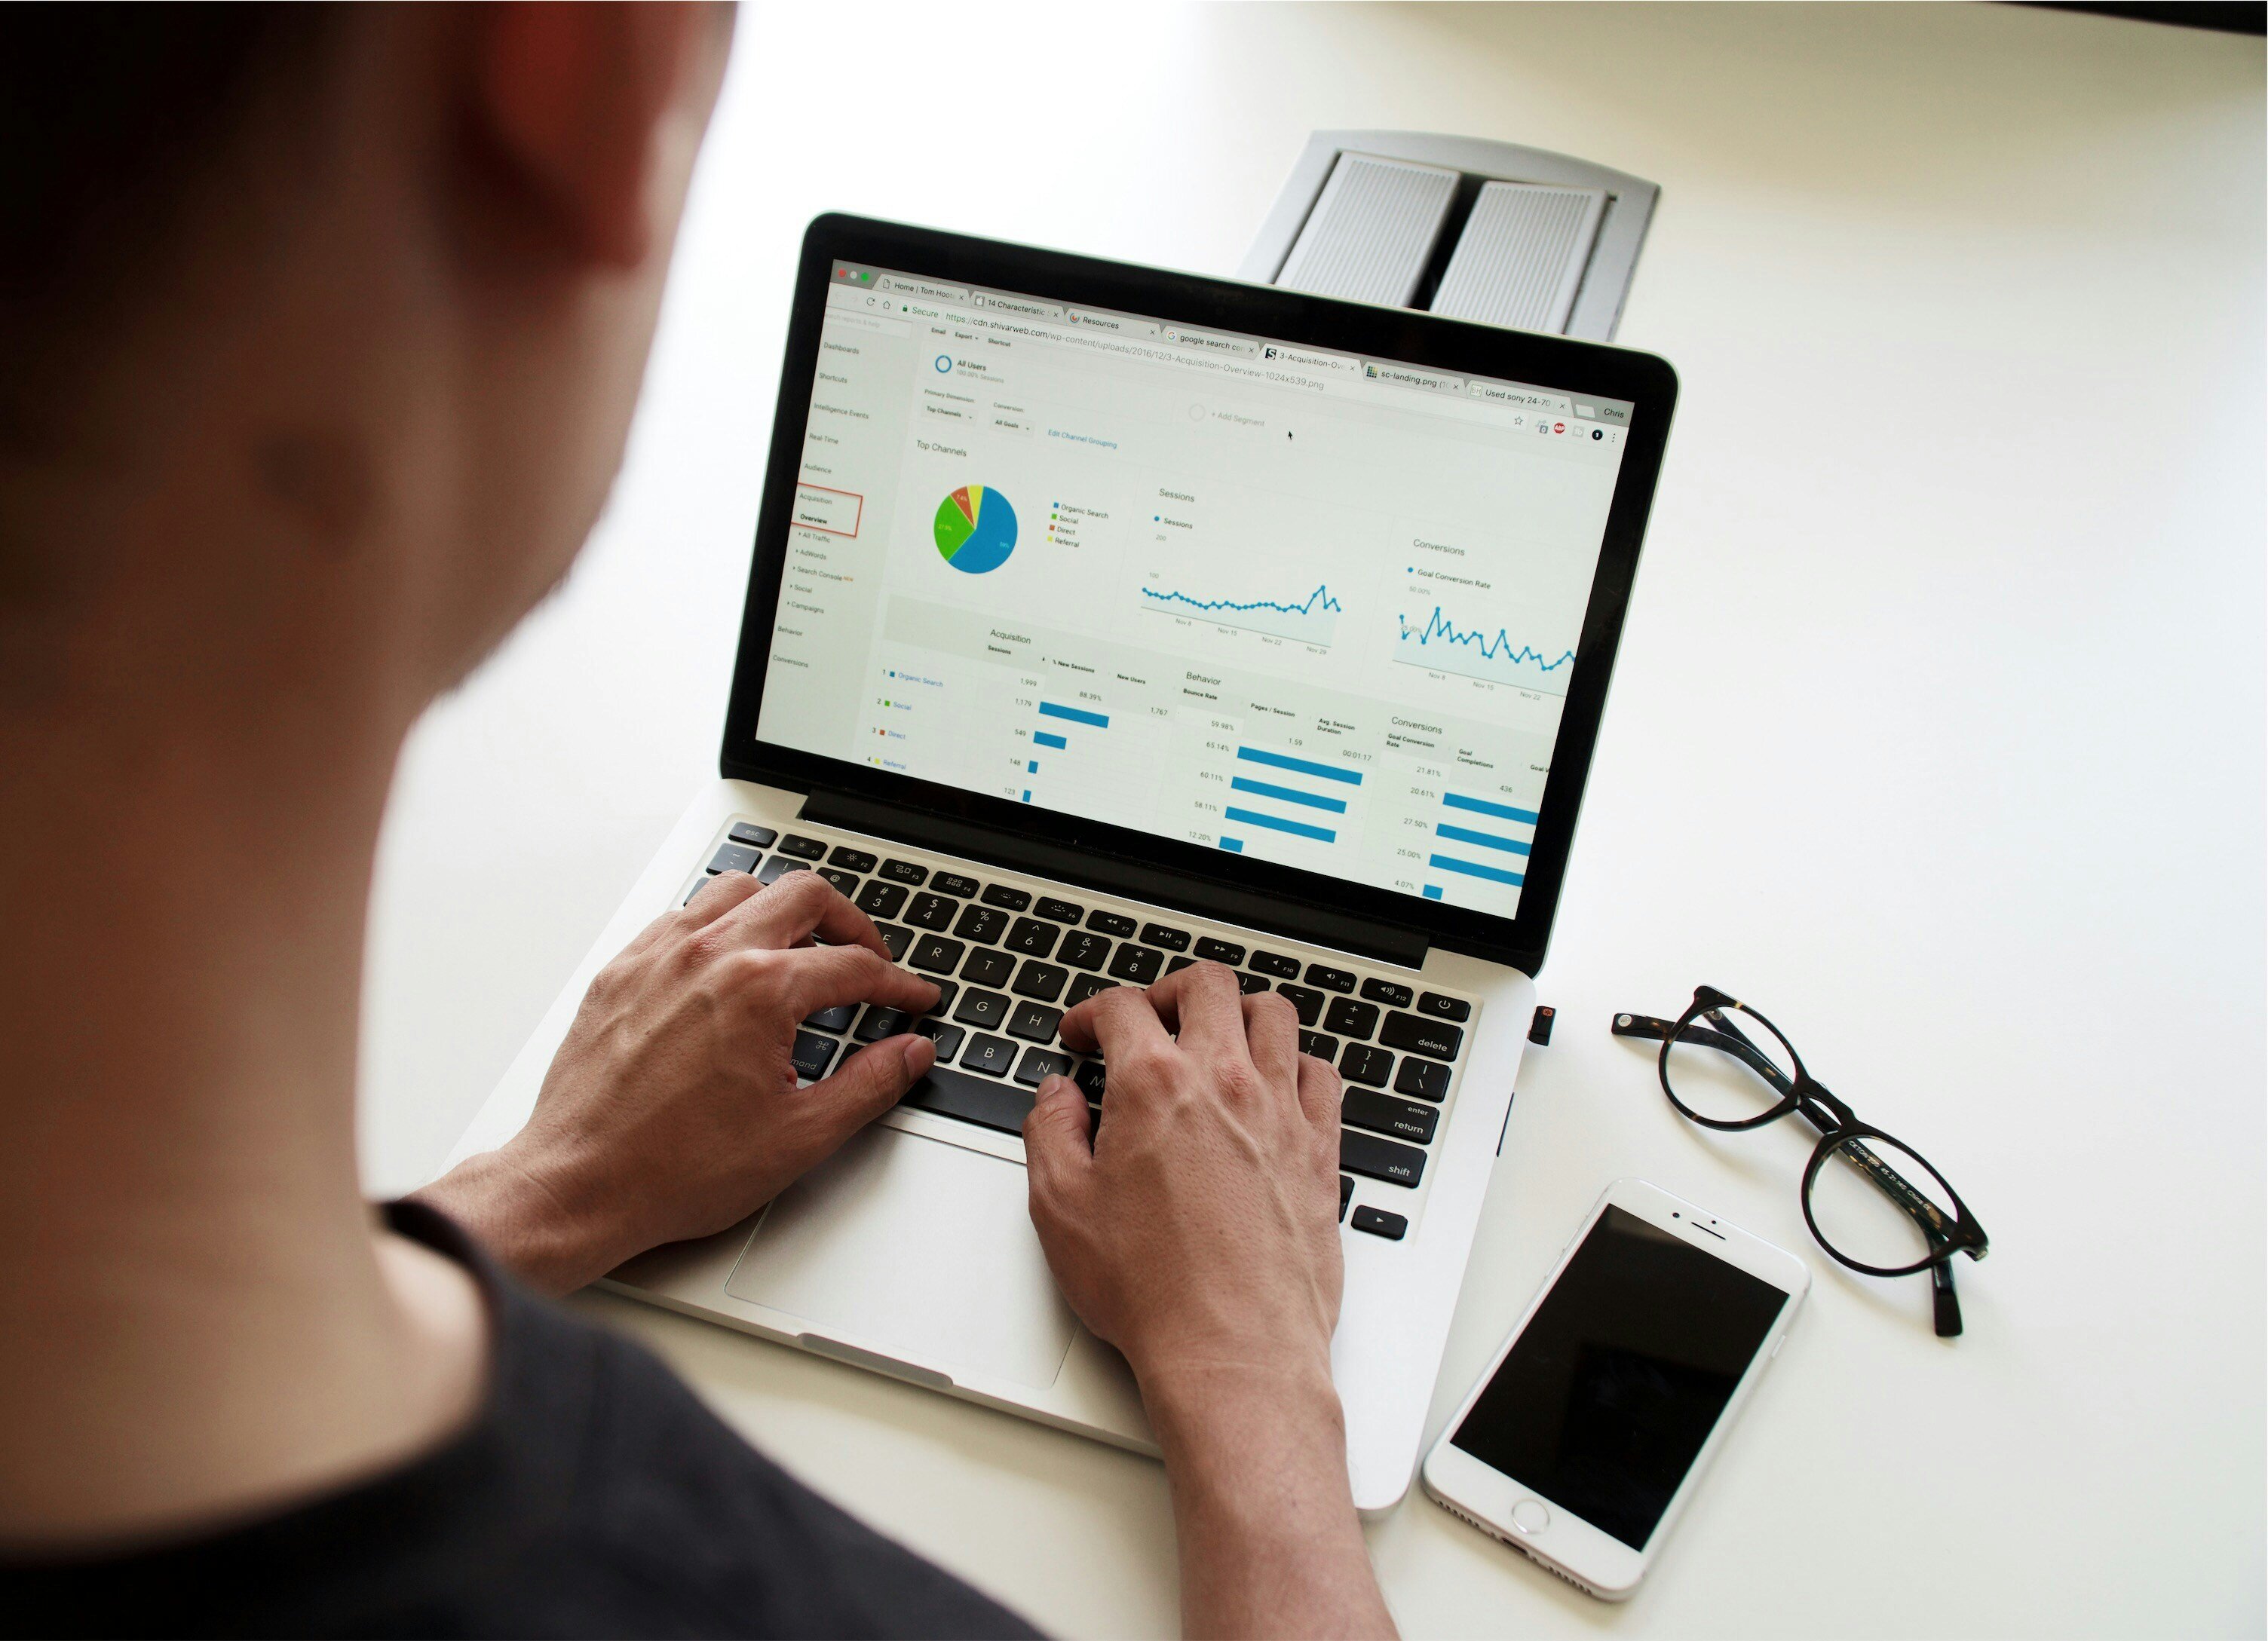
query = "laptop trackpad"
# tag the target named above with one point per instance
(916, 1248)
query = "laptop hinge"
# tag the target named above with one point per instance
(1203, 897)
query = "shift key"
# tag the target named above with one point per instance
(1380, 1158)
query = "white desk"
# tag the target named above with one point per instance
(1939, 731)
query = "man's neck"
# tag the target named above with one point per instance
(202, 1319)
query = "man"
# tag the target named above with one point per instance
(320, 333)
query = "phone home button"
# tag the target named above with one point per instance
(1531, 1516)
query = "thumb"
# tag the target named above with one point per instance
(872, 1081)
(1057, 1154)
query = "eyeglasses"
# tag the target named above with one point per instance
(1871, 1201)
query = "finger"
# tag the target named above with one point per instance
(799, 906)
(1059, 1153)
(871, 1081)
(1272, 1027)
(819, 977)
(711, 901)
(1117, 1022)
(1201, 1005)
(1320, 1091)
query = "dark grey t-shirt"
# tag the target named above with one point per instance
(593, 1497)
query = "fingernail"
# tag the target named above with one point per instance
(921, 1054)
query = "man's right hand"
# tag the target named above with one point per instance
(1198, 1233)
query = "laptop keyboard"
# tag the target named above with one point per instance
(1008, 962)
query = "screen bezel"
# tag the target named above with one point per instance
(1571, 367)
(1592, 1555)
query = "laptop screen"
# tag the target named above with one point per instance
(1306, 607)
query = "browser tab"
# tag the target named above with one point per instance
(906, 286)
(1210, 340)
(1526, 398)
(1023, 305)
(1603, 410)
(1109, 324)
(1407, 375)
(1307, 358)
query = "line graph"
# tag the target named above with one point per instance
(1441, 645)
(1312, 619)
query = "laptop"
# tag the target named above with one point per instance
(1104, 620)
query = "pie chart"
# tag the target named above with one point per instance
(975, 529)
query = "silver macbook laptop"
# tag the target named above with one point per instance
(1104, 620)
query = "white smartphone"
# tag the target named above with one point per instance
(1591, 1428)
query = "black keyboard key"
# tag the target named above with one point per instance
(988, 968)
(953, 883)
(802, 847)
(895, 938)
(1043, 981)
(879, 899)
(981, 922)
(736, 857)
(755, 836)
(1329, 979)
(1385, 991)
(1443, 1008)
(778, 867)
(946, 991)
(929, 911)
(1164, 939)
(1039, 1064)
(992, 1056)
(1220, 951)
(880, 1022)
(1082, 950)
(945, 1034)
(1007, 899)
(1383, 1113)
(1249, 983)
(1174, 965)
(1377, 1222)
(1351, 1019)
(1058, 911)
(987, 1010)
(1274, 965)
(1111, 924)
(952, 1093)
(1376, 1158)
(935, 954)
(1323, 1048)
(813, 1053)
(1346, 1190)
(851, 859)
(836, 1018)
(1309, 1004)
(1031, 937)
(1084, 987)
(1362, 1063)
(1136, 965)
(1034, 1022)
(845, 882)
(1422, 1079)
(906, 872)
(1089, 1079)
(1419, 1035)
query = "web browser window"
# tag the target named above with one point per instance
(1306, 607)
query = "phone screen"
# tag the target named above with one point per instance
(1610, 1391)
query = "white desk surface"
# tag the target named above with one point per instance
(1939, 731)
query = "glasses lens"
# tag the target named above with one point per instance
(1876, 1203)
(1728, 1066)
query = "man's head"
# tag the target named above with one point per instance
(319, 334)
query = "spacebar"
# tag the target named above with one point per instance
(984, 1101)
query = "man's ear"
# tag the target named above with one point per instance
(573, 97)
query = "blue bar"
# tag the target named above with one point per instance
(1262, 789)
(1432, 891)
(1486, 840)
(1297, 829)
(1077, 715)
(1032, 767)
(1028, 796)
(1494, 875)
(1041, 737)
(1233, 845)
(1502, 812)
(1300, 766)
